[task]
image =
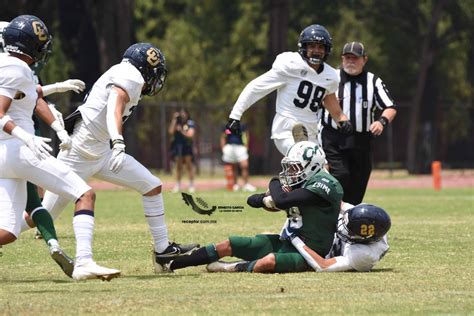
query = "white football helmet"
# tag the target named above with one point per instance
(302, 160)
(3, 25)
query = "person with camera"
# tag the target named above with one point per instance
(182, 130)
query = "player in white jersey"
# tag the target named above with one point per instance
(98, 123)
(24, 156)
(359, 244)
(304, 84)
(35, 212)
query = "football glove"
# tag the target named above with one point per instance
(288, 232)
(57, 115)
(62, 135)
(38, 145)
(346, 127)
(233, 127)
(75, 85)
(118, 155)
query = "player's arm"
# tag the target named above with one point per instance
(332, 105)
(256, 90)
(297, 197)
(318, 263)
(38, 145)
(75, 85)
(116, 102)
(43, 111)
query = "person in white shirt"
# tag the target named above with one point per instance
(24, 156)
(304, 83)
(98, 147)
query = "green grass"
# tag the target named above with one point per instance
(429, 269)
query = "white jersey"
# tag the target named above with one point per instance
(300, 89)
(93, 111)
(359, 257)
(17, 83)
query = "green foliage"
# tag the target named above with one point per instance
(428, 269)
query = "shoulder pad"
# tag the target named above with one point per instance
(128, 78)
(289, 63)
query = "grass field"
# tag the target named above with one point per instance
(429, 269)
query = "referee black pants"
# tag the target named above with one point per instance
(349, 161)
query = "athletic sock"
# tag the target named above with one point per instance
(83, 224)
(153, 208)
(44, 223)
(250, 266)
(203, 255)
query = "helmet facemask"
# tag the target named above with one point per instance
(313, 60)
(303, 160)
(155, 80)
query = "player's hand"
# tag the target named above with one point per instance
(233, 127)
(118, 155)
(288, 232)
(256, 200)
(65, 140)
(57, 115)
(346, 127)
(39, 146)
(75, 85)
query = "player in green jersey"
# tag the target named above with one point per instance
(311, 198)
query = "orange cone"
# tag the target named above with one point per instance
(436, 172)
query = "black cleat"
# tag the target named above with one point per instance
(62, 259)
(163, 259)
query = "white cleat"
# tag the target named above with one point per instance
(222, 266)
(300, 133)
(62, 259)
(91, 270)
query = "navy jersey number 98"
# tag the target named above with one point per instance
(306, 93)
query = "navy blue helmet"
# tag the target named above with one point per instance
(314, 33)
(28, 35)
(151, 63)
(363, 223)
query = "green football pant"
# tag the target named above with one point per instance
(287, 258)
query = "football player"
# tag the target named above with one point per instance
(360, 241)
(311, 198)
(36, 213)
(98, 147)
(25, 156)
(304, 84)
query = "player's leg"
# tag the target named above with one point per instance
(135, 176)
(284, 144)
(12, 203)
(55, 176)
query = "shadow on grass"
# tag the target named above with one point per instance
(160, 276)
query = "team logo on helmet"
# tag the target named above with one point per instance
(39, 30)
(153, 56)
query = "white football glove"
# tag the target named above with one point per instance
(118, 155)
(62, 135)
(75, 85)
(57, 115)
(38, 145)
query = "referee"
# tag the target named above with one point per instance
(360, 92)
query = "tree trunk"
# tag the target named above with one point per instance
(279, 16)
(428, 52)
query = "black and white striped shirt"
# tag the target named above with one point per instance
(359, 97)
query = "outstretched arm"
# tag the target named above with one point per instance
(318, 263)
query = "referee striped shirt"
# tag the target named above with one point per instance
(359, 96)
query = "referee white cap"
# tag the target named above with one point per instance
(354, 48)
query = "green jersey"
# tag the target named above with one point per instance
(318, 222)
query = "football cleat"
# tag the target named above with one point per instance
(222, 266)
(162, 260)
(38, 235)
(62, 259)
(91, 270)
(300, 133)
